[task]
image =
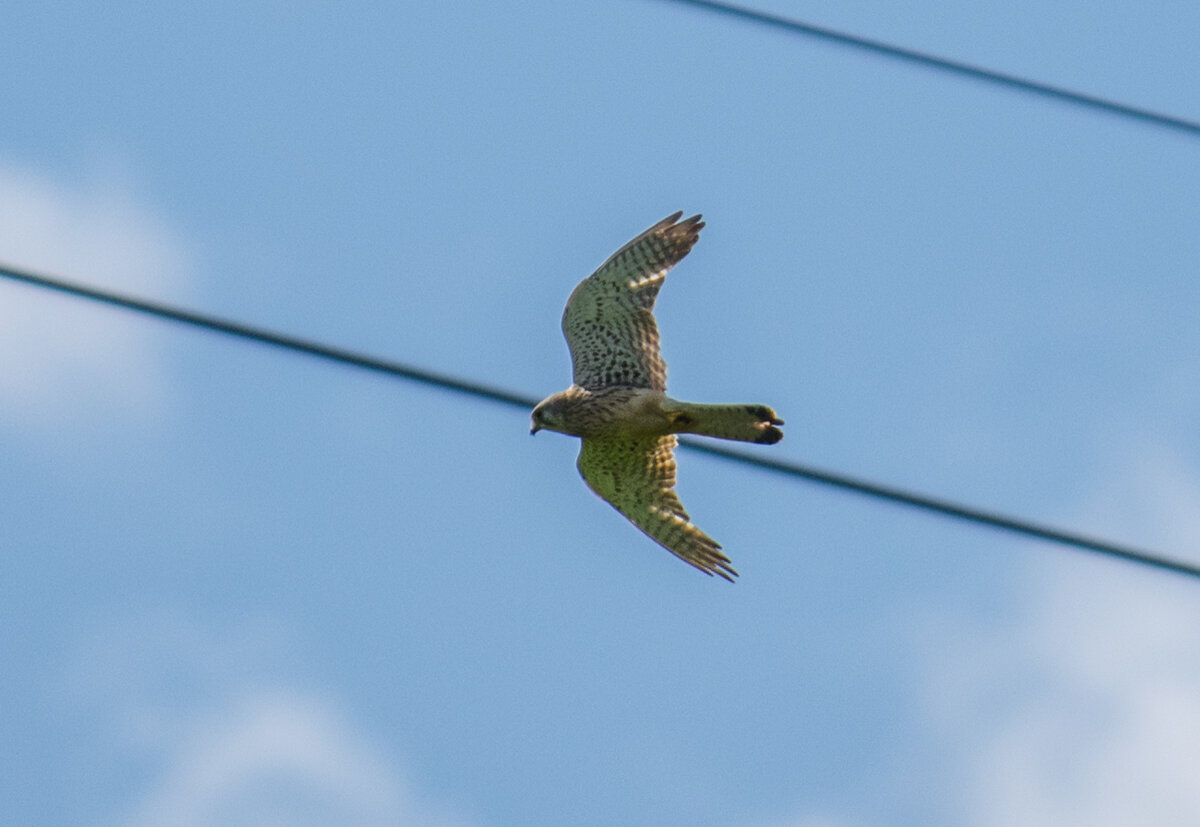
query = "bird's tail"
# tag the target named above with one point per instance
(744, 423)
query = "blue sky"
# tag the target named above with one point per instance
(245, 587)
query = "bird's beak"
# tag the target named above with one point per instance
(534, 429)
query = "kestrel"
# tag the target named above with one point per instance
(617, 401)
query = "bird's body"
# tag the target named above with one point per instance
(623, 411)
(618, 404)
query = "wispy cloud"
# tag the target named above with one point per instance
(279, 756)
(1080, 707)
(815, 821)
(230, 741)
(65, 361)
(1085, 709)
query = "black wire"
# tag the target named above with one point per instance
(791, 469)
(268, 337)
(945, 64)
(951, 509)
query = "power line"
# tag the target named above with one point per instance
(795, 470)
(952, 509)
(945, 64)
(268, 337)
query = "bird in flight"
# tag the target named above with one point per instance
(617, 401)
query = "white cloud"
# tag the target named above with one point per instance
(1081, 707)
(815, 821)
(279, 757)
(1085, 709)
(1107, 728)
(230, 742)
(68, 361)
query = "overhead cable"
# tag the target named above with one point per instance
(267, 337)
(945, 64)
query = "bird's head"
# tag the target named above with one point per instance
(548, 415)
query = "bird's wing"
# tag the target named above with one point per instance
(636, 476)
(609, 319)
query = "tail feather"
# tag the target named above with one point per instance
(744, 423)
